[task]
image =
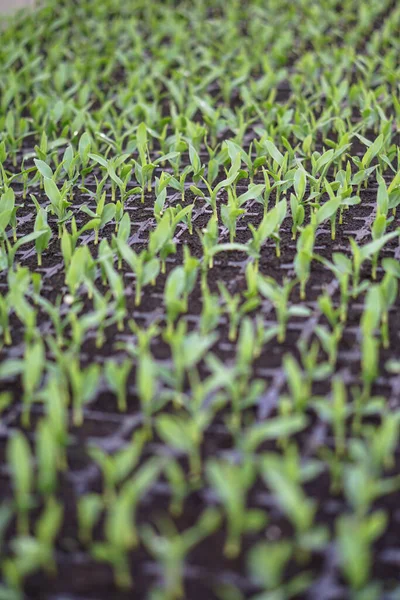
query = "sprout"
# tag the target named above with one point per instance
(20, 463)
(232, 483)
(302, 262)
(32, 553)
(120, 527)
(171, 548)
(117, 375)
(355, 538)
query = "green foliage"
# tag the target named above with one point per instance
(199, 297)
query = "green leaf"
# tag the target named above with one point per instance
(273, 429)
(196, 191)
(151, 271)
(372, 151)
(20, 462)
(274, 152)
(43, 168)
(253, 192)
(174, 432)
(52, 192)
(99, 159)
(373, 247)
(327, 210)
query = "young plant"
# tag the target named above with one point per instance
(120, 530)
(33, 369)
(236, 310)
(32, 553)
(84, 383)
(184, 435)
(103, 215)
(279, 296)
(41, 225)
(145, 267)
(8, 213)
(269, 227)
(117, 467)
(179, 285)
(211, 199)
(117, 376)
(19, 460)
(304, 256)
(58, 202)
(89, 508)
(355, 537)
(171, 548)
(283, 477)
(232, 482)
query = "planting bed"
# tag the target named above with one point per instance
(199, 308)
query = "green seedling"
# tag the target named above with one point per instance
(84, 383)
(279, 296)
(48, 456)
(58, 202)
(241, 390)
(103, 215)
(269, 227)
(8, 214)
(171, 548)
(179, 285)
(120, 524)
(144, 266)
(291, 498)
(34, 365)
(355, 539)
(267, 562)
(89, 508)
(34, 552)
(19, 459)
(209, 238)
(184, 435)
(231, 483)
(304, 256)
(117, 467)
(187, 350)
(117, 376)
(235, 310)
(211, 199)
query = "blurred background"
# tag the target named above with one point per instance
(7, 6)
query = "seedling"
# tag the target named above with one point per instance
(84, 382)
(302, 262)
(291, 498)
(232, 483)
(32, 553)
(34, 363)
(171, 548)
(103, 215)
(117, 467)
(144, 266)
(117, 376)
(235, 310)
(89, 508)
(185, 435)
(20, 463)
(355, 537)
(213, 192)
(269, 227)
(120, 527)
(58, 202)
(279, 296)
